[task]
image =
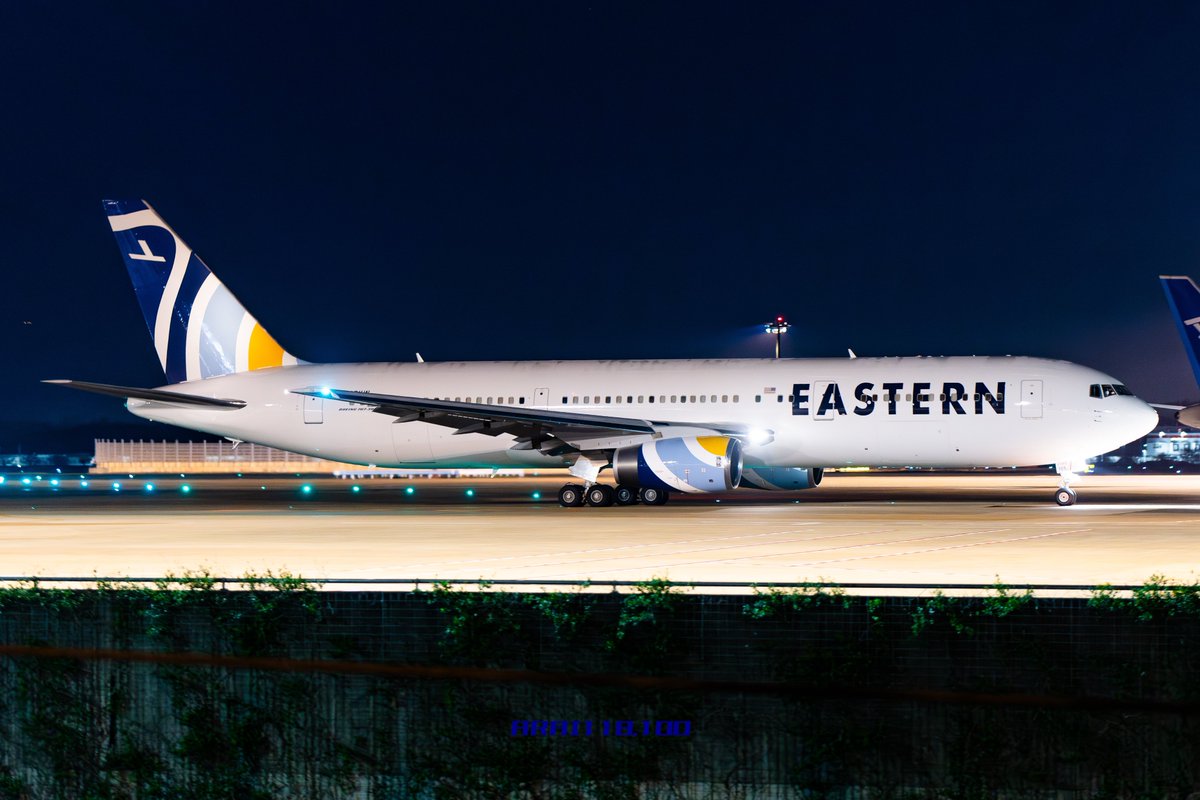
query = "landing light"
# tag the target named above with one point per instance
(326, 391)
(759, 436)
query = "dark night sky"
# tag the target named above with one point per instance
(559, 180)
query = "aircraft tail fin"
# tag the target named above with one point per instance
(200, 330)
(1184, 298)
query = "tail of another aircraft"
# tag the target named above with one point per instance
(1184, 298)
(200, 330)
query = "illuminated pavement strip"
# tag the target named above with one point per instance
(867, 529)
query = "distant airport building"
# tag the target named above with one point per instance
(117, 456)
(1171, 444)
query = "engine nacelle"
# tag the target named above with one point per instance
(681, 464)
(782, 478)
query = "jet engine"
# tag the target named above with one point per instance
(782, 478)
(681, 464)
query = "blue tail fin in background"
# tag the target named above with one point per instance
(1184, 298)
(199, 328)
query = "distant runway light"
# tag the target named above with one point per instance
(306, 488)
(116, 486)
(185, 489)
(54, 481)
(470, 492)
(26, 481)
(149, 487)
(356, 489)
(83, 484)
(410, 490)
(37, 477)
(537, 495)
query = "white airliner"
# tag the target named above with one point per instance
(697, 425)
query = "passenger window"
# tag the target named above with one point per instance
(489, 401)
(778, 398)
(735, 398)
(608, 399)
(651, 398)
(693, 398)
(662, 398)
(618, 399)
(724, 398)
(641, 398)
(712, 398)
(575, 399)
(758, 398)
(629, 399)
(458, 399)
(673, 398)
(701, 398)
(522, 400)
(564, 401)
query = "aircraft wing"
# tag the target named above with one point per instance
(534, 427)
(157, 395)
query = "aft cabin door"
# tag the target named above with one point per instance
(314, 410)
(1031, 399)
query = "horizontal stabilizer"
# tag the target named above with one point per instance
(157, 395)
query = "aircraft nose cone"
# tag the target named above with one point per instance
(1144, 419)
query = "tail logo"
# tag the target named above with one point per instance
(200, 330)
(145, 255)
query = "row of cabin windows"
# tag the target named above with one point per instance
(486, 400)
(641, 398)
(925, 398)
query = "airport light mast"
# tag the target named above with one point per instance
(778, 326)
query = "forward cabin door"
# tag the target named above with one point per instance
(314, 410)
(1031, 399)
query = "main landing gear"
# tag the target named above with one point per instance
(602, 495)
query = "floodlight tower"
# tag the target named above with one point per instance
(778, 326)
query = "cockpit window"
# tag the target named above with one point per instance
(1108, 390)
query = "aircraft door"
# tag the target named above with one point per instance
(1031, 399)
(541, 397)
(314, 410)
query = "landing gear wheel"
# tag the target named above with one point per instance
(600, 495)
(1065, 496)
(570, 496)
(625, 496)
(654, 497)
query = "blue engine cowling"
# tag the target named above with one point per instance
(681, 464)
(782, 478)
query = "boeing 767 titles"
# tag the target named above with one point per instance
(661, 426)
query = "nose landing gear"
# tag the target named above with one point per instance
(1065, 495)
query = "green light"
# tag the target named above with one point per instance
(355, 489)
(185, 489)
(470, 492)
(410, 490)
(306, 488)
(537, 495)
(54, 481)
(83, 484)
(116, 486)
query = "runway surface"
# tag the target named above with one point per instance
(915, 528)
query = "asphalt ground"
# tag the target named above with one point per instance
(910, 528)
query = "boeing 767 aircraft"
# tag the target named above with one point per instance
(695, 425)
